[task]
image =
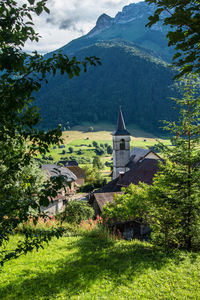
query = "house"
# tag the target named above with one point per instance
(75, 169)
(143, 171)
(79, 173)
(58, 203)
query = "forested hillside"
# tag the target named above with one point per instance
(134, 73)
(128, 76)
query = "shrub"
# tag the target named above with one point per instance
(80, 152)
(99, 151)
(77, 211)
(94, 144)
(109, 149)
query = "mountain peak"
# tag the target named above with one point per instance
(134, 11)
(103, 22)
(129, 13)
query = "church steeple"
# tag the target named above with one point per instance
(121, 127)
(121, 147)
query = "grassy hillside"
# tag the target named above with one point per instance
(87, 267)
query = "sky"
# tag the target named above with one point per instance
(70, 19)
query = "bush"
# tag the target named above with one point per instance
(109, 149)
(71, 149)
(80, 152)
(77, 211)
(99, 151)
(94, 144)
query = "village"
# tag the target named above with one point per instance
(130, 166)
(100, 149)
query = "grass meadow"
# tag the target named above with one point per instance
(89, 267)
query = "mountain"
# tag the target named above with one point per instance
(127, 25)
(134, 74)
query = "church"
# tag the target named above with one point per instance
(129, 166)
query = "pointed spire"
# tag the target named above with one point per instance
(121, 127)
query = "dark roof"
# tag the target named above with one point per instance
(103, 198)
(121, 127)
(68, 163)
(79, 172)
(110, 187)
(137, 154)
(143, 171)
(54, 170)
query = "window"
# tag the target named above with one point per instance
(122, 144)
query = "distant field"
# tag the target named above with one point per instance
(107, 127)
(81, 139)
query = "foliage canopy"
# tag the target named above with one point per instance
(183, 18)
(21, 74)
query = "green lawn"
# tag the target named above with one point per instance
(87, 267)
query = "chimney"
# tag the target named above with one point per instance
(121, 175)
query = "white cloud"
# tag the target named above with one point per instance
(69, 20)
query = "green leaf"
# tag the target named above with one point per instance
(31, 1)
(46, 10)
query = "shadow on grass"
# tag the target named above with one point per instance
(94, 261)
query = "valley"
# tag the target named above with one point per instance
(134, 73)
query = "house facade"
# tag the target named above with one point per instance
(74, 177)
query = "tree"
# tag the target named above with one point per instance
(175, 191)
(95, 144)
(109, 149)
(99, 150)
(71, 149)
(171, 206)
(93, 179)
(77, 211)
(130, 205)
(23, 187)
(21, 75)
(97, 163)
(183, 17)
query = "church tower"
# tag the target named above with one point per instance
(121, 147)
